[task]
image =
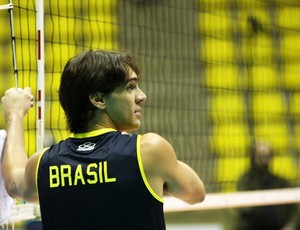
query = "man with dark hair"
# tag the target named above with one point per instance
(101, 177)
(259, 177)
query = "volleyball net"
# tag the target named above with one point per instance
(218, 74)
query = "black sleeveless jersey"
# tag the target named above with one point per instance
(96, 181)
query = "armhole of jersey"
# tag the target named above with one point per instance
(37, 169)
(138, 150)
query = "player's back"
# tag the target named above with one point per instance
(94, 181)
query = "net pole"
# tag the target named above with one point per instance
(40, 75)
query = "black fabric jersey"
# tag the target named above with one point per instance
(96, 181)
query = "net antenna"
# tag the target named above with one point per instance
(40, 75)
(10, 7)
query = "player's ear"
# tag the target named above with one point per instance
(97, 100)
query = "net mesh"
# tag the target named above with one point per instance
(218, 74)
(25, 39)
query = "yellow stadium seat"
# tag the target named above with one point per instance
(52, 82)
(297, 135)
(222, 76)
(26, 4)
(49, 24)
(53, 58)
(26, 55)
(54, 116)
(285, 166)
(264, 77)
(25, 31)
(57, 56)
(230, 139)
(288, 17)
(30, 120)
(268, 106)
(291, 78)
(5, 27)
(60, 29)
(214, 6)
(60, 7)
(227, 107)
(30, 141)
(216, 50)
(28, 78)
(9, 80)
(258, 12)
(290, 47)
(2, 119)
(276, 133)
(106, 11)
(229, 170)
(215, 23)
(100, 34)
(288, 2)
(261, 49)
(247, 9)
(295, 105)
(27, 24)
(98, 30)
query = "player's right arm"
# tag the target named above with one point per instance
(163, 169)
(18, 170)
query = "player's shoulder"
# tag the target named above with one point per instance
(154, 143)
(152, 139)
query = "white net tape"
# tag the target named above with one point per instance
(236, 200)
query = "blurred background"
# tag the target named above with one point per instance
(219, 75)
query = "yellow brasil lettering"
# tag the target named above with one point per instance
(96, 173)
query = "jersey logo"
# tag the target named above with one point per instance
(86, 146)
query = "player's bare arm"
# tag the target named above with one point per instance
(17, 171)
(161, 166)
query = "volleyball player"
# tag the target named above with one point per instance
(101, 177)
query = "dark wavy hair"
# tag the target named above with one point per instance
(88, 73)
